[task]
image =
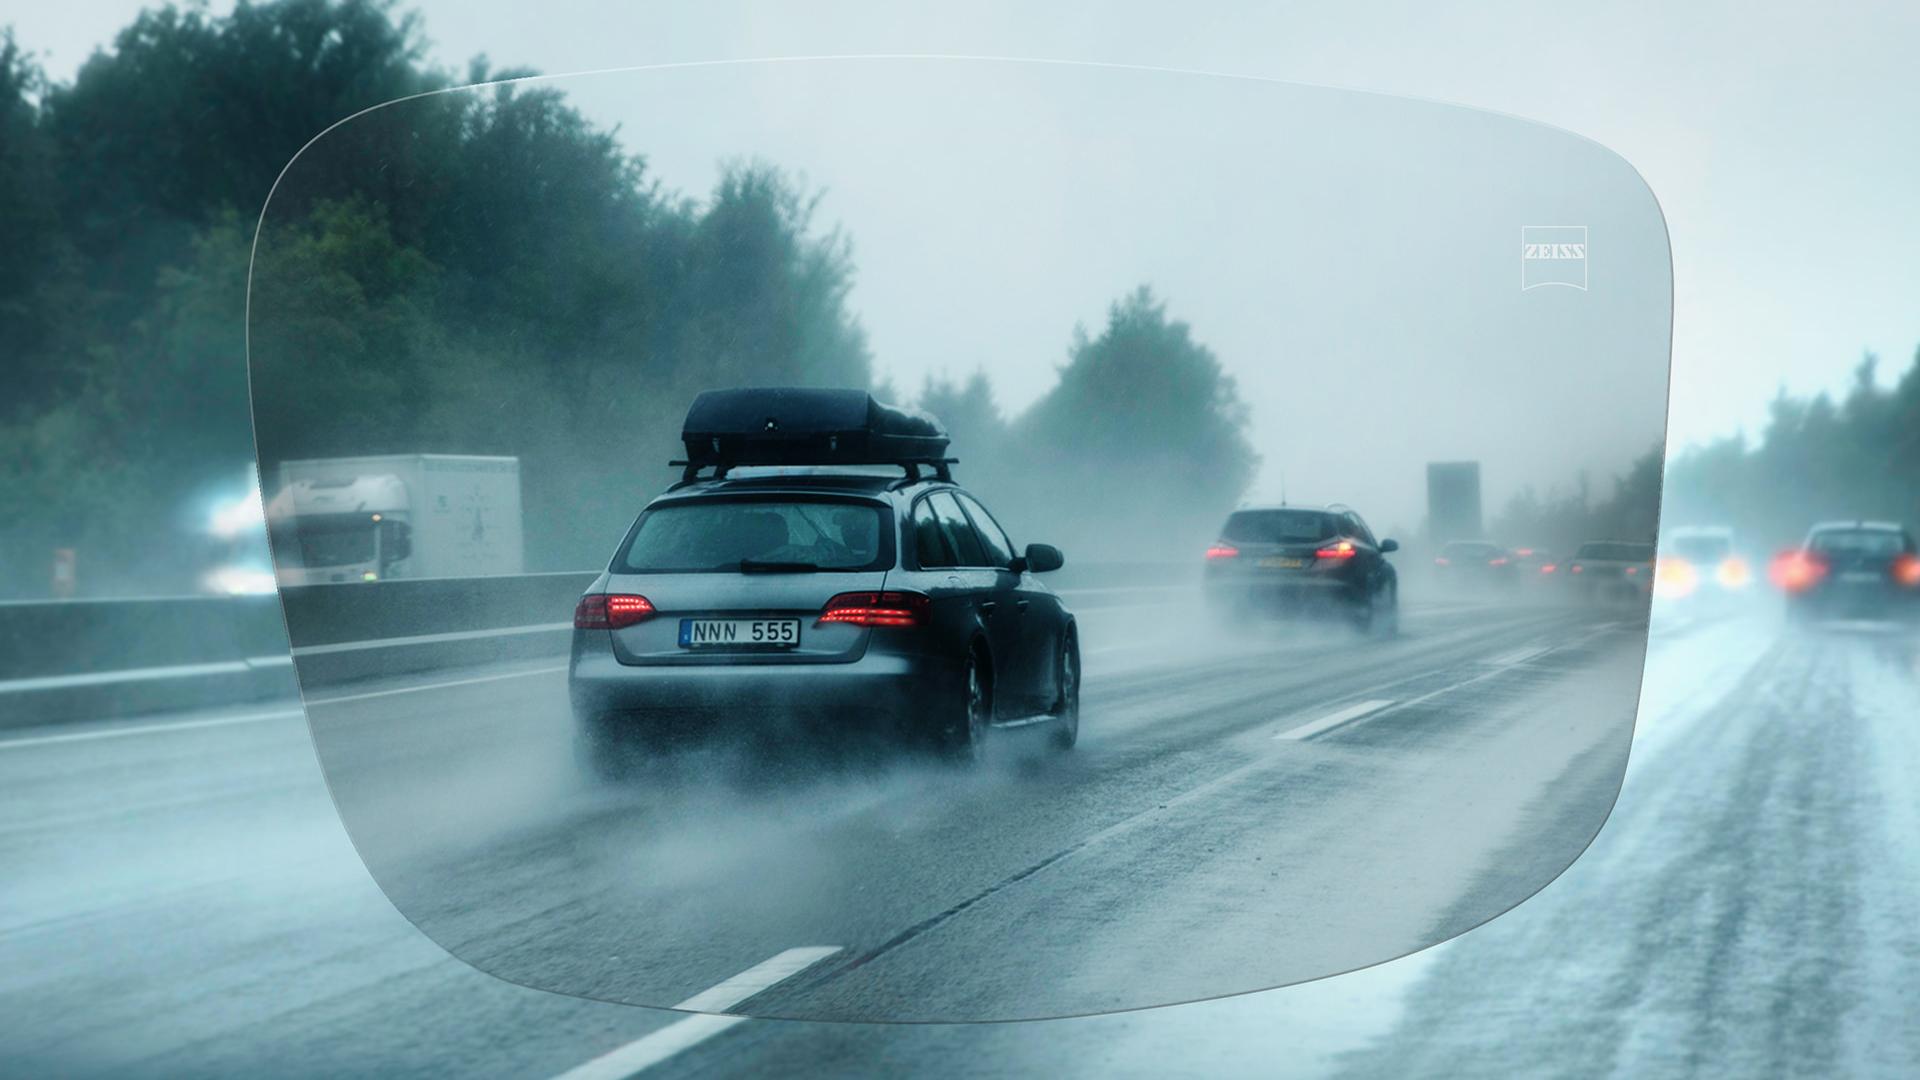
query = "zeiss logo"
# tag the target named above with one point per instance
(1553, 255)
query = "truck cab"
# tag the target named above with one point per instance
(341, 530)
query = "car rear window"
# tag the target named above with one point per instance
(1860, 541)
(719, 535)
(1278, 526)
(1615, 551)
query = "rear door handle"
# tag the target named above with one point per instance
(987, 606)
(1021, 606)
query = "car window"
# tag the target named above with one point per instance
(1859, 542)
(717, 535)
(958, 530)
(1360, 530)
(1278, 526)
(999, 548)
(929, 542)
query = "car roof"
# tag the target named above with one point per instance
(859, 484)
(1858, 526)
(1255, 507)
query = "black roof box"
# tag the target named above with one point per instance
(804, 426)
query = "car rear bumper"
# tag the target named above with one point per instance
(880, 690)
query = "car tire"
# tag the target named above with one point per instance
(1066, 728)
(965, 739)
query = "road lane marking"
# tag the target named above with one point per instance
(167, 727)
(650, 1050)
(431, 639)
(342, 698)
(1518, 656)
(146, 729)
(1334, 719)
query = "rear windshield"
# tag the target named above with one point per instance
(1701, 548)
(735, 535)
(1860, 542)
(1615, 551)
(1278, 526)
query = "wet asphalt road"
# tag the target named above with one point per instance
(183, 900)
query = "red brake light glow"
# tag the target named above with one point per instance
(610, 611)
(1222, 551)
(1548, 568)
(1442, 560)
(876, 609)
(1906, 570)
(1797, 571)
(1497, 560)
(1576, 568)
(1341, 550)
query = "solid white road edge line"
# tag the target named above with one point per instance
(146, 729)
(1334, 719)
(650, 1050)
(165, 727)
(435, 686)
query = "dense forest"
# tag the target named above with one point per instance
(479, 271)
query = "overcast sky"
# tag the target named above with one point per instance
(1780, 146)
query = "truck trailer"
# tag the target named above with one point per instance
(362, 519)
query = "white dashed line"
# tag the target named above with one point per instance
(1334, 719)
(1518, 656)
(651, 1050)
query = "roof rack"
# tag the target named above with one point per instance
(726, 429)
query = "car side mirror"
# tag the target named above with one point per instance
(1041, 558)
(1389, 545)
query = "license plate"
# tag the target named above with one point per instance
(739, 633)
(1860, 577)
(1281, 562)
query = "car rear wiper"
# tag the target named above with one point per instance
(757, 566)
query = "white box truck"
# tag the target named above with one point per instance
(396, 516)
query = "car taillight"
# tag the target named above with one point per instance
(1548, 568)
(1673, 577)
(610, 611)
(1576, 568)
(1733, 573)
(877, 609)
(1223, 551)
(1797, 571)
(1341, 550)
(1498, 560)
(1442, 560)
(1906, 570)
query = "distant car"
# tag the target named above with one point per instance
(833, 600)
(1700, 562)
(1475, 566)
(1603, 571)
(1851, 568)
(1289, 561)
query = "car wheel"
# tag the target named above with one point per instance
(966, 735)
(1066, 729)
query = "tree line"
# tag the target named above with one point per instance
(476, 271)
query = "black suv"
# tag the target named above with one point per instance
(819, 598)
(1868, 568)
(1297, 560)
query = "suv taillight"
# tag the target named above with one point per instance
(1906, 570)
(1222, 551)
(1797, 571)
(610, 611)
(877, 609)
(1342, 549)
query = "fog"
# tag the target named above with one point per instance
(1352, 259)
